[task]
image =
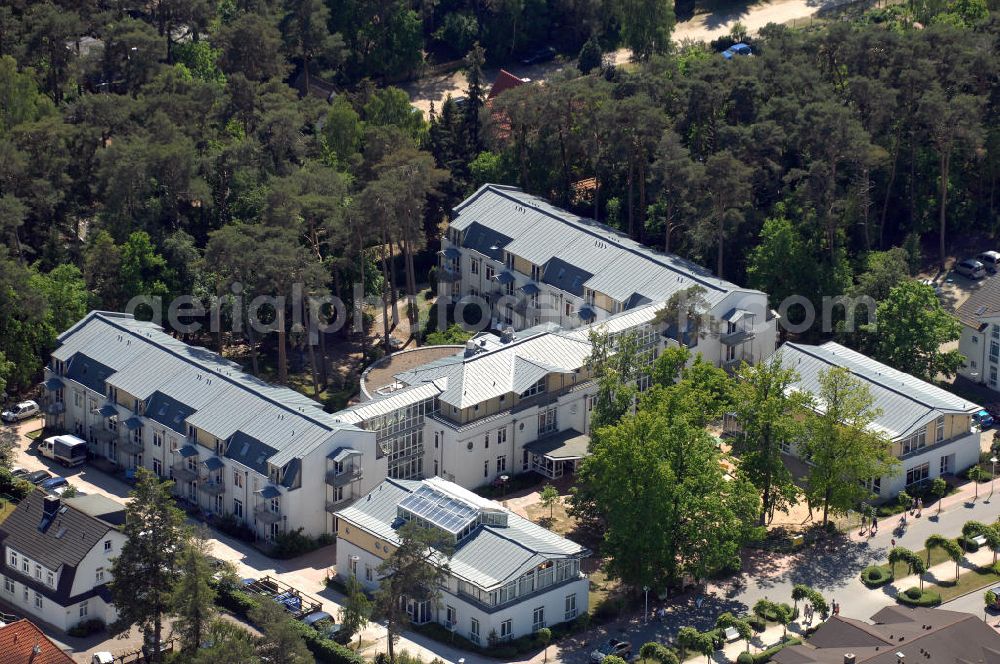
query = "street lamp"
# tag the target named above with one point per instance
(645, 615)
(993, 473)
(503, 485)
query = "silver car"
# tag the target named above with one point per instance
(21, 411)
(971, 268)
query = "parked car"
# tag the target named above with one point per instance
(54, 483)
(991, 260)
(983, 419)
(38, 476)
(18, 471)
(543, 54)
(615, 647)
(20, 411)
(68, 450)
(971, 268)
(736, 49)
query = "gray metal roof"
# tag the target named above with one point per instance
(388, 403)
(983, 303)
(207, 390)
(486, 241)
(489, 557)
(907, 403)
(546, 235)
(561, 445)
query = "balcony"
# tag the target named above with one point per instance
(211, 487)
(334, 505)
(734, 364)
(129, 446)
(737, 337)
(353, 474)
(183, 473)
(105, 436)
(264, 513)
(54, 407)
(448, 275)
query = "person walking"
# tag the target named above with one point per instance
(920, 507)
(874, 528)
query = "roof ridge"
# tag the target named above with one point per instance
(229, 379)
(851, 370)
(652, 256)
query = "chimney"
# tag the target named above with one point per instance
(50, 505)
(849, 658)
(35, 652)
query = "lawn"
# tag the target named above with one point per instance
(560, 522)
(977, 579)
(6, 507)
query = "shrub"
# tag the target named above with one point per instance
(86, 628)
(757, 623)
(237, 601)
(916, 597)
(293, 543)
(968, 544)
(744, 658)
(766, 655)
(991, 598)
(876, 576)
(505, 653)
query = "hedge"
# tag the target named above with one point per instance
(766, 655)
(876, 576)
(744, 658)
(917, 597)
(968, 544)
(322, 648)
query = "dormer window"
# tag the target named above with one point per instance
(537, 388)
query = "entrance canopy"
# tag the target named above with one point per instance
(568, 445)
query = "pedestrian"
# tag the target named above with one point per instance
(913, 506)
(874, 530)
(864, 522)
(836, 608)
(893, 541)
(920, 507)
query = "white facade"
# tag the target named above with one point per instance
(32, 588)
(981, 348)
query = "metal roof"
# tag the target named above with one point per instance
(342, 454)
(561, 446)
(485, 240)
(53, 384)
(551, 237)
(983, 303)
(489, 557)
(213, 463)
(188, 451)
(184, 384)
(906, 403)
(270, 491)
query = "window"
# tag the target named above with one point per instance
(78, 399)
(354, 565)
(509, 260)
(157, 467)
(486, 468)
(99, 576)
(994, 351)
(536, 273)
(38, 600)
(237, 508)
(25, 566)
(975, 339)
(490, 272)
(474, 630)
(502, 463)
(368, 573)
(538, 619)
(569, 308)
(486, 440)
(437, 437)
(993, 376)
(157, 439)
(8, 585)
(50, 580)
(475, 266)
(917, 474)
(939, 430)
(83, 609)
(501, 436)
(537, 388)
(946, 464)
(505, 629)
(570, 607)
(508, 288)
(107, 545)
(13, 559)
(547, 421)
(451, 617)
(237, 479)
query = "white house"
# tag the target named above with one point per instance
(535, 263)
(233, 444)
(507, 576)
(930, 428)
(57, 561)
(980, 340)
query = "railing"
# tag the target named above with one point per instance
(182, 472)
(129, 446)
(520, 598)
(448, 275)
(211, 487)
(264, 513)
(54, 407)
(333, 478)
(737, 337)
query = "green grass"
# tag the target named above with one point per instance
(970, 581)
(34, 435)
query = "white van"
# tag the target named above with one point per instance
(68, 450)
(990, 260)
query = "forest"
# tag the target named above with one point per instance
(182, 147)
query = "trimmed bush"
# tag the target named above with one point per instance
(916, 597)
(295, 543)
(876, 576)
(757, 623)
(766, 655)
(86, 628)
(968, 544)
(744, 658)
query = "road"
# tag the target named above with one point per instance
(702, 27)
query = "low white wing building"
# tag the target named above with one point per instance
(507, 576)
(930, 428)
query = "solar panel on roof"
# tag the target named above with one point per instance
(436, 508)
(980, 311)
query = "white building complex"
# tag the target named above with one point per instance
(507, 577)
(931, 429)
(57, 559)
(980, 340)
(233, 444)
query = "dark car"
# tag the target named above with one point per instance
(38, 476)
(614, 647)
(543, 54)
(737, 49)
(54, 483)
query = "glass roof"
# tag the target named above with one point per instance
(447, 513)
